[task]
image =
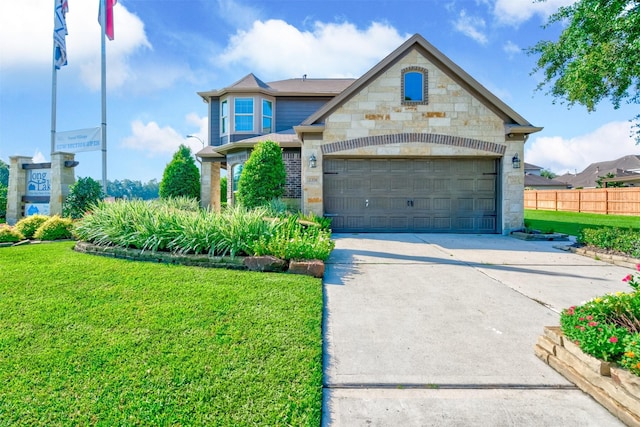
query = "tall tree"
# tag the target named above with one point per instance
(181, 176)
(263, 176)
(4, 173)
(597, 55)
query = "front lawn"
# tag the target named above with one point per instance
(87, 340)
(572, 222)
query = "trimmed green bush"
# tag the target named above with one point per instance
(9, 234)
(28, 226)
(616, 239)
(55, 228)
(181, 177)
(263, 176)
(85, 193)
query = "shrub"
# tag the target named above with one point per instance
(616, 239)
(630, 360)
(10, 234)
(294, 240)
(181, 176)
(263, 176)
(83, 195)
(181, 203)
(236, 231)
(55, 228)
(28, 226)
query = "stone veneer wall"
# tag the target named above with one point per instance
(452, 111)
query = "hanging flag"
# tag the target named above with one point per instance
(108, 30)
(59, 33)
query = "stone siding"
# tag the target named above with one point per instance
(374, 122)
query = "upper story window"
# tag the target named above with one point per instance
(224, 117)
(414, 85)
(267, 116)
(243, 114)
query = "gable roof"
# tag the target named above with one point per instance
(587, 178)
(515, 122)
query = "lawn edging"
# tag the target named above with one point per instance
(616, 259)
(313, 268)
(614, 388)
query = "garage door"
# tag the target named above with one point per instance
(411, 195)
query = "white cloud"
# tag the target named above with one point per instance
(38, 157)
(471, 26)
(560, 155)
(201, 123)
(155, 140)
(511, 48)
(26, 39)
(237, 14)
(514, 12)
(277, 49)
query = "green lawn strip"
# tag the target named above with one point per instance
(86, 340)
(572, 222)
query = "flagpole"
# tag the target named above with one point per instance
(54, 85)
(103, 21)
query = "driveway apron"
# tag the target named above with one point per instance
(439, 330)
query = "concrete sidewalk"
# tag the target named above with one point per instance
(438, 330)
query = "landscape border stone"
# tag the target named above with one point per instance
(615, 389)
(264, 264)
(617, 259)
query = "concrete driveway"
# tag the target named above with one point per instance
(439, 330)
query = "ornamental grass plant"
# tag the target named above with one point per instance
(608, 327)
(168, 226)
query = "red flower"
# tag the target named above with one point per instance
(613, 339)
(638, 267)
(589, 317)
(627, 278)
(593, 323)
(581, 319)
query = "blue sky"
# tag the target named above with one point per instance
(166, 50)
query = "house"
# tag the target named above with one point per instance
(530, 169)
(624, 168)
(534, 180)
(537, 182)
(414, 145)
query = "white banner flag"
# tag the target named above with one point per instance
(59, 33)
(75, 141)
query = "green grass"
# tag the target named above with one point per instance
(572, 222)
(86, 340)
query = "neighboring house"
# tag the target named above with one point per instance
(530, 169)
(622, 167)
(414, 145)
(534, 180)
(537, 182)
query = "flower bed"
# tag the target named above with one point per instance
(597, 347)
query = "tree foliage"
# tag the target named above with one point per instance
(3, 201)
(263, 176)
(4, 173)
(130, 189)
(547, 174)
(612, 184)
(597, 55)
(85, 193)
(181, 177)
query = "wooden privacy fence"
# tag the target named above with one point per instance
(609, 201)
